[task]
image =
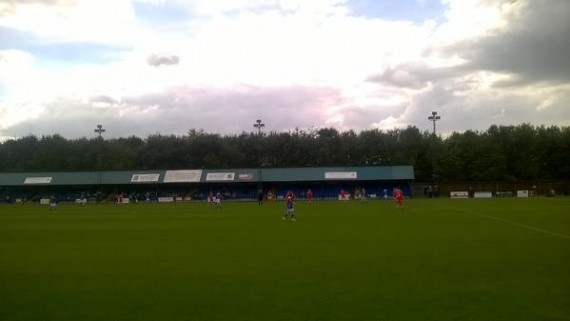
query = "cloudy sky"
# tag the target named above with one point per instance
(141, 67)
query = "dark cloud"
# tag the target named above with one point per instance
(413, 75)
(158, 60)
(534, 47)
(479, 110)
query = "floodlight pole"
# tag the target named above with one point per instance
(434, 118)
(259, 125)
(99, 131)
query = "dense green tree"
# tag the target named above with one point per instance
(522, 152)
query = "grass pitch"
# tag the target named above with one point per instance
(476, 259)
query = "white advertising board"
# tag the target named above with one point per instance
(145, 178)
(522, 193)
(220, 176)
(38, 180)
(182, 176)
(459, 194)
(483, 194)
(166, 199)
(245, 176)
(340, 175)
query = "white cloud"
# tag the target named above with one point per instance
(250, 53)
(97, 21)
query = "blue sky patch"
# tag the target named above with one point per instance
(56, 53)
(158, 14)
(414, 10)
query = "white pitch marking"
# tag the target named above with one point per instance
(513, 223)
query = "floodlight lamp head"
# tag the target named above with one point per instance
(258, 124)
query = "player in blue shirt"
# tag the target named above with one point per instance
(218, 200)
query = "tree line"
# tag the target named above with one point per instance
(522, 152)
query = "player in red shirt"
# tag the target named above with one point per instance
(310, 195)
(399, 197)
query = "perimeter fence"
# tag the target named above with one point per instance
(497, 188)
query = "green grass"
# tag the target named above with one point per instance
(497, 259)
